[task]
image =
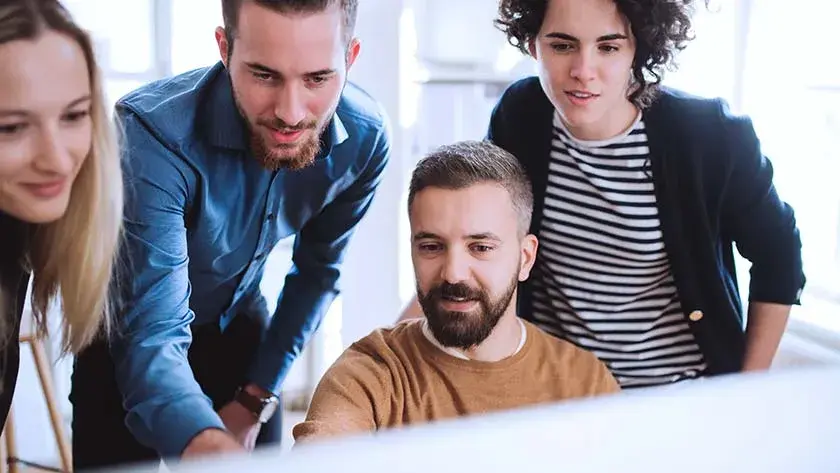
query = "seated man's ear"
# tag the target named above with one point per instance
(529, 255)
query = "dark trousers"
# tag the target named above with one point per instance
(219, 362)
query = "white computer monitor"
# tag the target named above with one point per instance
(782, 421)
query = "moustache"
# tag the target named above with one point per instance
(456, 291)
(284, 127)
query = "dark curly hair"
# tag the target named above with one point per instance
(661, 28)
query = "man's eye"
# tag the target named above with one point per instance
(318, 80)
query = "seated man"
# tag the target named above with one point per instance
(470, 208)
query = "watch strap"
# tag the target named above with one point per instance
(255, 404)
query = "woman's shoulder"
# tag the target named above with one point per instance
(523, 95)
(13, 274)
(13, 243)
(677, 108)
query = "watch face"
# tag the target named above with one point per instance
(268, 410)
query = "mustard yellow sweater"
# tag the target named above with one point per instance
(396, 377)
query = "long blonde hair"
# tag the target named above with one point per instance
(73, 258)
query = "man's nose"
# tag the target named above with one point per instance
(456, 268)
(290, 106)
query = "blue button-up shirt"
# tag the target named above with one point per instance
(201, 216)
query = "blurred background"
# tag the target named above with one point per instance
(438, 66)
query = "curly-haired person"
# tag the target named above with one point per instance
(641, 192)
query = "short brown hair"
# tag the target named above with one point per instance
(662, 28)
(231, 8)
(466, 163)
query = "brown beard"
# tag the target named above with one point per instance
(273, 161)
(268, 157)
(459, 329)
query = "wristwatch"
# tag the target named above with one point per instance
(263, 407)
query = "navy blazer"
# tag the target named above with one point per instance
(714, 188)
(14, 279)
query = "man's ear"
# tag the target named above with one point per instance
(529, 256)
(352, 52)
(222, 43)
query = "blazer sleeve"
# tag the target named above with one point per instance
(760, 223)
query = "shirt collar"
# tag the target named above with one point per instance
(227, 129)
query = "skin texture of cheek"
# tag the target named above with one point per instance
(18, 198)
(15, 202)
(12, 163)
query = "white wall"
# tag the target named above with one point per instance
(369, 284)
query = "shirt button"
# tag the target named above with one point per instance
(695, 316)
(269, 217)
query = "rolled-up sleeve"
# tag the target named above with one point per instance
(312, 283)
(166, 407)
(760, 223)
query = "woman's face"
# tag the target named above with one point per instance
(45, 124)
(584, 52)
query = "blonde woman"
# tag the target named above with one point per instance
(60, 181)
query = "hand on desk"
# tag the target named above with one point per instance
(241, 423)
(240, 437)
(212, 441)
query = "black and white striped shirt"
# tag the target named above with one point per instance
(602, 279)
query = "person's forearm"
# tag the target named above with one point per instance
(297, 317)
(166, 407)
(766, 324)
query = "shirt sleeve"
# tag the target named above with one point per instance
(165, 405)
(312, 283)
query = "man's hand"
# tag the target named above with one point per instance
(241, 423)
(212, 441)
